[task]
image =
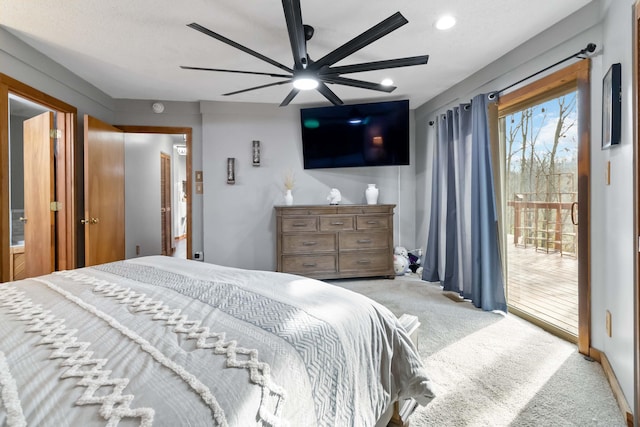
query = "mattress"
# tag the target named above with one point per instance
(166, 341)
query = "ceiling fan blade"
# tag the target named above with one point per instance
(293, 16)
(377, 65)
(257, 87)
(245, 49)
(184, 67)
(328, 93)
(390, 24)
(289, 97)
(359, 83)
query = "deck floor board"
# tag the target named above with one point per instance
(544, 285)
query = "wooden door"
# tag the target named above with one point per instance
(165, 203)
(39, 192)
(103, 192)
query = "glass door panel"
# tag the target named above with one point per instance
(541, 146)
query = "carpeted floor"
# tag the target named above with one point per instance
(491, 369)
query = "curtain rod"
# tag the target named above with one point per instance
(591, 47)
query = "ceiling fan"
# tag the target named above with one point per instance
(308, 74)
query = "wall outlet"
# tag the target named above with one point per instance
(608, 323)
(137, 249)
(198, 256)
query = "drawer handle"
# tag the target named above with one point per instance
(364, 261)
(364, 241)
(299, 224)
(373, 222)
(337, 223)
(309, 264)
(309, 243)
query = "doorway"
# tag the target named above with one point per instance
(544, 134)
(143, 146)
(56, 130)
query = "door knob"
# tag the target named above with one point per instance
(94, 220)
(23, 219)
(84, 221)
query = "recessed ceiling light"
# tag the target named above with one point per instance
(445, 22)
(386, 82)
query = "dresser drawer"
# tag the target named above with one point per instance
(369, 222)
(302, 264)
(366, 261)
(312, 242)
(336, 223)
(335, 241)
(301, 223)
(364, 240)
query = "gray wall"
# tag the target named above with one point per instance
(609, 25)
(612, 207)
(23, 63)
(239, 229)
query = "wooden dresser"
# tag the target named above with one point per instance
(335, 241)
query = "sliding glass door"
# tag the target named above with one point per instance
(544, 133)
(541, 146)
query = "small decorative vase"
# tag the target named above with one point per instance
(288, 198)
(371, 193)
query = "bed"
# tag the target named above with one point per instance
(170, 342)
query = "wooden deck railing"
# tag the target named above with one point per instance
(546, 230)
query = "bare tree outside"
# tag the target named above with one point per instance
(541, 163)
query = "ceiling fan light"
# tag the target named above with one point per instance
(305, 83)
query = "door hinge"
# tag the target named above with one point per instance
(55, 133)
(56, 206)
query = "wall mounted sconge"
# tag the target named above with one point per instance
(256, 153)
(231, 170)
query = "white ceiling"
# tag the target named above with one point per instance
(133, 49)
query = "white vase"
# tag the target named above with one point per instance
(288, 198)
(371, 193)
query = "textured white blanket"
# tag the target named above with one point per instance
(164, 341)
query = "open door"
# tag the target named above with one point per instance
(39, 193)
(165, 204)
(104, 192)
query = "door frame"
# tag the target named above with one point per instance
(170, 130)
(167, 241)
(65, 172)
(575, 76)
(636, 200)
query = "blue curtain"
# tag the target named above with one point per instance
(462, 250)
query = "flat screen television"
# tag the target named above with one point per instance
(375, 134)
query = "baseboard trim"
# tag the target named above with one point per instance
(613, 382)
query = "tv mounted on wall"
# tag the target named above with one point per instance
(375, 134)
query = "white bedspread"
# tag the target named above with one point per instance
(164, 341)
